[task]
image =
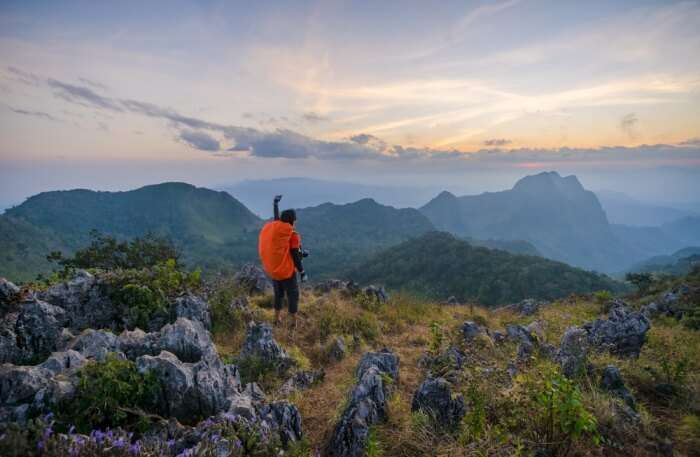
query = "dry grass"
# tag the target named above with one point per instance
(404, 325)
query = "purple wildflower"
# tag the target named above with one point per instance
(135, 448)
(170, 443)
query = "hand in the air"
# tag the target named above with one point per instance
(304, 278)
(278, 198)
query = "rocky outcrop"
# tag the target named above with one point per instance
(376, 293)
(9, 295)
(611, 381)
(187, 339)
(347, 287)
(86, 302)
(95, 344)
(337, 349)
(301, 380)
(623, 333)
(283, 418)
(64, 362)
(190, 390)
(471, 330)
(366, 405)
(38, 329)
(520, 334)
(527, 307)
(573, 352)
(434, 397)
(193, 308)
(260, 344)
(253, 280)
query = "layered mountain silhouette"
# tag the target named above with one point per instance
(438, 265)
(563, 220)
(544, 214)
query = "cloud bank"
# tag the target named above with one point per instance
(223, 139)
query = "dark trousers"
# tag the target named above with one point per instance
(290, 288)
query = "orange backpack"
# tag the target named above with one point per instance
(276, 238)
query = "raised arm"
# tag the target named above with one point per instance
(275, 207)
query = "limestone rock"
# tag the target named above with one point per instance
(193, 308)
(253, 280)
(434, 397)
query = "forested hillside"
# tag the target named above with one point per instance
(438, 265)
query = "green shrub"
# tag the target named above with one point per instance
(141, 304)
(256, 369)
(107, 395)
(603, 298)
(561, 414)
(475, 421)
(105, 252)
(437, 337)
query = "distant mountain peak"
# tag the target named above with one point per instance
(548, 181)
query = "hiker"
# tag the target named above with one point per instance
(280, 252)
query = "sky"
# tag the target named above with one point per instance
(463, 95)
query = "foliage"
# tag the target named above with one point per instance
(107, 253)
(256, 369)
(437, 338)
(438, 265)
(374, 446)
(603, 298)
(475, 421)
(641, 280)
(141, 304)
(562, 415)
(106, 394)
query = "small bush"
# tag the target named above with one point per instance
(107, 394)
(561, 414)
(437, 338)
(141, 304)
(603, 298)
(475, 421)
(256, 369)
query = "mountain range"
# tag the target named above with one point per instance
(438, 265)
(544, 214)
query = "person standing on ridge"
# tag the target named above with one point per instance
(279, 247)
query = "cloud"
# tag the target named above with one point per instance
(24, 76)
(200, 140)
(288, 144)
(95, 84)
(314, 117)
(497, 142)
(39, 114)
(83, 95)
(628, 123)
(691, 142)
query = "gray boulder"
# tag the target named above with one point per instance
(259, 343)
(283, 418)
(38, 329)
(95, 344)
(188, 340)
(519, 333)
(191, 390)
(135, 343)
(623, 333)
(255, 392)
(527, 307)
(19, 384)
(376, 293)
(253, 280)
(193, 308)
(385, 360)
(9, 352)
(525, 350)
(86, 302)
(452, 300)
(9, 294)
(471, 330)
(337, 349)
(366, 405)
(573, 352)
(434, 397)
(301, 380)
(611, 381)
(64, 362)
